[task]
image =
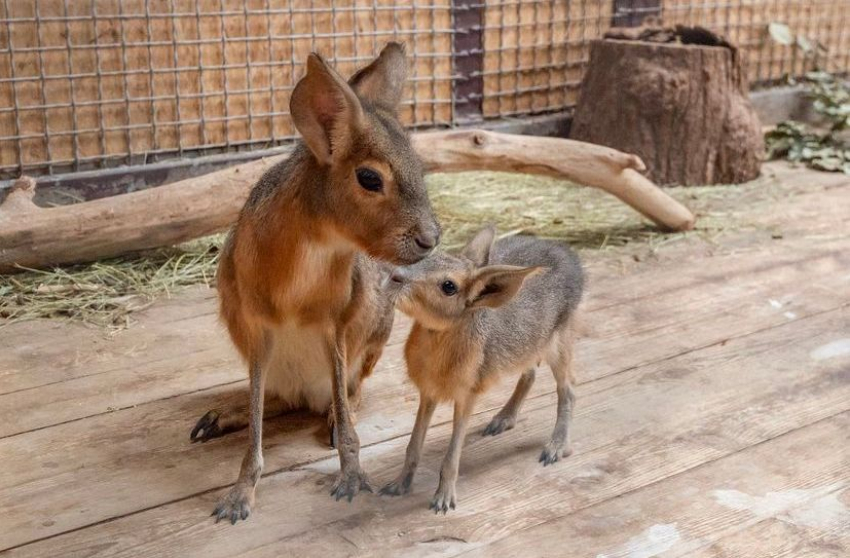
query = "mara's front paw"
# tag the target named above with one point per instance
(444, 499)
(235, 505)
(398, 487)
(553, 452)
(349, 483)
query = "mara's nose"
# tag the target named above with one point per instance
(398, 276)
(428, 240)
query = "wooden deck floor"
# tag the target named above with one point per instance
(713, 420)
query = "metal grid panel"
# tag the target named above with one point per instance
(96, 83)
(92, 83)
(535, 52)
(744, 23)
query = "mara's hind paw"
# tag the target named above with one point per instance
(207, 427)
(398, 487)
(498, 425)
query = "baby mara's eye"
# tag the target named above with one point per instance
(448, 288)
(369, 179)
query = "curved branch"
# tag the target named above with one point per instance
(37, 237)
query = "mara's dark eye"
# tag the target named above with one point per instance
(448, 288)
(369, 179)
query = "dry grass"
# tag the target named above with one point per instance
(587, 218)
(106, 293)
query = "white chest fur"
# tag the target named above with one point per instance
(299, 369)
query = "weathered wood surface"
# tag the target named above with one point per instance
(33, 236)
(666, 321)
(698, 512)
(694, 374)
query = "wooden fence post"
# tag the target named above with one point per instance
(631, 13)
(468, 60)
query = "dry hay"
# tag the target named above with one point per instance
(106, 293)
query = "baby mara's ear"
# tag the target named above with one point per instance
(498, 284)
(325, 110)
(382, 82)
(478, 249)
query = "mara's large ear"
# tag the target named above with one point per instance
(495, 285)
(325, 110)
(382, 81)
(478, 249)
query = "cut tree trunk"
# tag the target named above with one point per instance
(32, 236)
(682, 108)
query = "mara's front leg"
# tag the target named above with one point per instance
(238, 502)
(351, 478)
(446, 496)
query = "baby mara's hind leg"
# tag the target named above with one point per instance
(506, 418)
(561, 362)
(224, 420)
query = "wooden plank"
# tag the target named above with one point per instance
(44, 352)
(506, 491)
(689, 514)
(41, 352)
(791, 537)
(730, 301)
(627, 436)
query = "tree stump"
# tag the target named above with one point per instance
(682, 108)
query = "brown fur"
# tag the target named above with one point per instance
(300, 292)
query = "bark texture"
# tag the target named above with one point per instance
(682, 108)
(33, 236)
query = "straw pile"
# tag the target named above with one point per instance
(106, 293)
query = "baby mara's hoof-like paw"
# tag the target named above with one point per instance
(553, 453)
(443, 500)
(349, 483)
(207, 427)
(398, 487)
(498, 425)
(235, 505)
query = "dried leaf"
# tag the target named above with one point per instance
(781, 33)
(804, 44)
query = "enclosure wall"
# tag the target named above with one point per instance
(96, 83)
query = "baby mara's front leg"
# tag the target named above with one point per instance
(445, 497)
(401, 485)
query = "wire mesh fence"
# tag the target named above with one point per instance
(88, 84)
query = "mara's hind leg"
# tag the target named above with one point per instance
(506, 418)
(561, 362)
(224, 420)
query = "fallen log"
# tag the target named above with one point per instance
(37, 237)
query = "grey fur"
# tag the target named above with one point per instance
(459, 342)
